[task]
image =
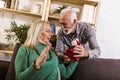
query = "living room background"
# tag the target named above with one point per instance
(107, 29)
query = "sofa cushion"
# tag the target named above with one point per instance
(97, 69)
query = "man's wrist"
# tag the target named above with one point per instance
(86, 54)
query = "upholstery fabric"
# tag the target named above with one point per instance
(11, 70)
(3, 69)
(97, 69)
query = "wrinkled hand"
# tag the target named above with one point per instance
(80, 51)
(66, 59)
(47, 42)
(42, 58)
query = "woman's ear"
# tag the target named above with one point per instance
(42, 33)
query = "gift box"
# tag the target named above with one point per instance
(69, 51)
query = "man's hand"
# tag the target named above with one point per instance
(80, 51)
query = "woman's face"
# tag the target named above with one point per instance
(47, 32)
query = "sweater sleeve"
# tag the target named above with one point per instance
(66, 71)
(22, 70)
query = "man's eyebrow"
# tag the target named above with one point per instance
(62, 23)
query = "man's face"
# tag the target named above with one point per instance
(67, 25)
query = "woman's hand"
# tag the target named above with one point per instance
(48, 43)
(42, 58)
(66, 59)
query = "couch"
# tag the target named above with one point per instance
(97, 69)
(87, 69)
(3, 69)
(7, 67)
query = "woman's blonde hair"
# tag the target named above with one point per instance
(34, 32)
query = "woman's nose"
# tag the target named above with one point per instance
(51, 34)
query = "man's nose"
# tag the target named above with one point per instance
(62, 27)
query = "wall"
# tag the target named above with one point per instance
(5, 19)
(108, 29)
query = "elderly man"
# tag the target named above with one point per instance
(71, 29)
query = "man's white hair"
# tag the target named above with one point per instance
(72, 12)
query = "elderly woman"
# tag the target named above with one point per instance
(36, 60)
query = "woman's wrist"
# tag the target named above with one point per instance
(36, 65)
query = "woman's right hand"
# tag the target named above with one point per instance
(66, 59)
(42, 58)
